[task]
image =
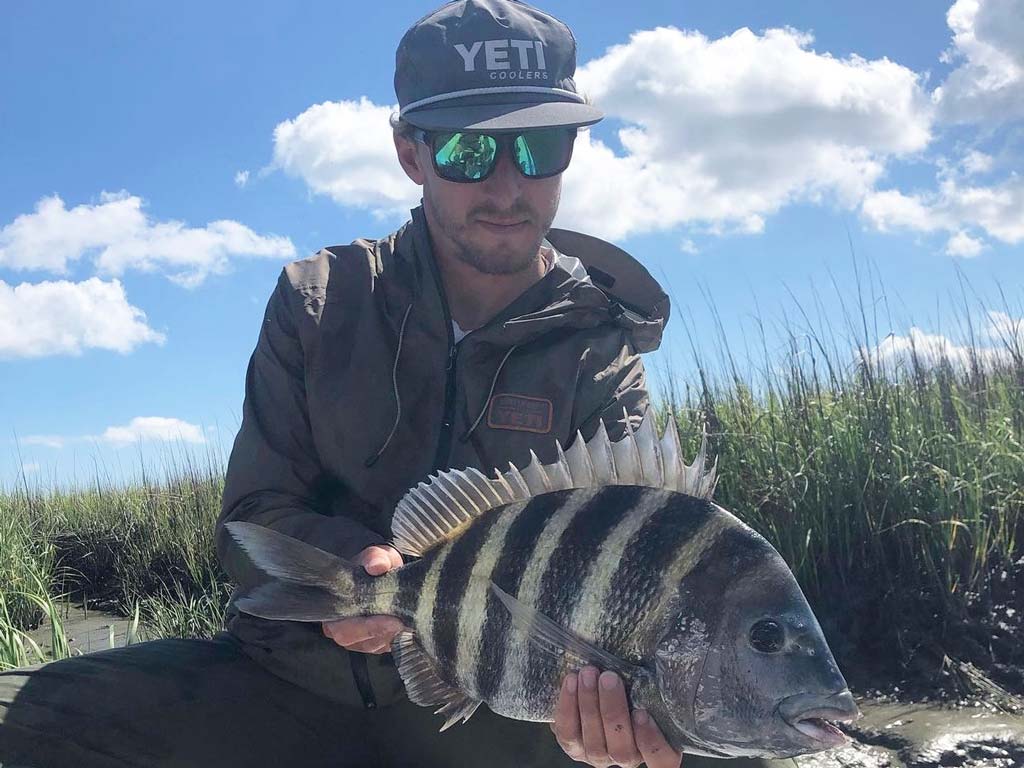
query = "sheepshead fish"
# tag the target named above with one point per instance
(615, 556)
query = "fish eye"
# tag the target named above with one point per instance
(767, 636)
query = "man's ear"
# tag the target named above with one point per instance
(409, 158)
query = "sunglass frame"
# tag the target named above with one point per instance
(504, 140)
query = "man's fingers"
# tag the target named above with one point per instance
(651, 742)
(371, 646)
(379, 560)
(375, 630)
(590, 718)
(395, 557)
(566, 726)
(618, 731)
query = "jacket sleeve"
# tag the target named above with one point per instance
(274, 476)
(612, 388)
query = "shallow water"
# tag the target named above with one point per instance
(87, 631)
(895, 735)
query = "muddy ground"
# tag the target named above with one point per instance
(904, 735)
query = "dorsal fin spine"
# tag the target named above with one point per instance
(483, 486)
(516, 481)
(437, 509)
(453, 487)
(443, 510)
(500, 482)
(420, 504)
(559, 473)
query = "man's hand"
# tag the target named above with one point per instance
(368, 634)
(592, 724)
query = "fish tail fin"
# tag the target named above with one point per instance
(280, 600)
(309, 584)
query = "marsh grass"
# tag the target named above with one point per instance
(891, 480)
(892, 485)
(142, 549)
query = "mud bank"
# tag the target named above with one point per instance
(894, 735)
(87, 631)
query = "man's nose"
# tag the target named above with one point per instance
(505, 180)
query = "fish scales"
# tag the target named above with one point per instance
(649, 569)
(410, 590)
(423, 618)
(600, 603)
(507, 573)
(688, 556)
(570, 571)
(453, 586)
(508, 698)
(473, 612)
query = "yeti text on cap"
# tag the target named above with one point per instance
(496, 58)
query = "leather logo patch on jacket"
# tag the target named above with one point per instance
(521, 413)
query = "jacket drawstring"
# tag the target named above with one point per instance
(372, 459)
(487, 400)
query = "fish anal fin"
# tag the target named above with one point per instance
(558, 642)
(425, 686)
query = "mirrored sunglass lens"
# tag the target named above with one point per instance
(464, 155)
(541, 153)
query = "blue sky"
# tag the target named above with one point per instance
(162, 162)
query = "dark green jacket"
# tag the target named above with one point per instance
(356, 392)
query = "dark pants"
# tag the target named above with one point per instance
(205, 703)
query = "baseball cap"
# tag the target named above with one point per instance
(489, 65)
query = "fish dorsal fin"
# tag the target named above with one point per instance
(424, 686)
(443, 506)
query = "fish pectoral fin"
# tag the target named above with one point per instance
(425, 686)
(553, 639)
(283, 600)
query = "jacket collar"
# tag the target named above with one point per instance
(590, 283)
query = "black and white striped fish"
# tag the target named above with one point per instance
(613, 556)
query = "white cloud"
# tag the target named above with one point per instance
(976, 162)
(153, 428)
(721, 133)
(988, 86)
(726, 132)
(123, 237)
(139, 429)
(688, 246)
(1005, 329)
(962, 244)
(65, 318)
(995, 209)
(931, 349)
(241, 178)
(344, 150)
(47, 441)
(30, 468)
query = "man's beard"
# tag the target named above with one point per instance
(496, 259)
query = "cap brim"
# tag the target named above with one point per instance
(505, 117)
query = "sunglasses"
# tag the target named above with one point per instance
(467, 157)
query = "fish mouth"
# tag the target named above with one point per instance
(815, 717)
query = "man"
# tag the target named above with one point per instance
(469, 337)
(479, 341)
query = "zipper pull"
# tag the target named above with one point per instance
(451, 357)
